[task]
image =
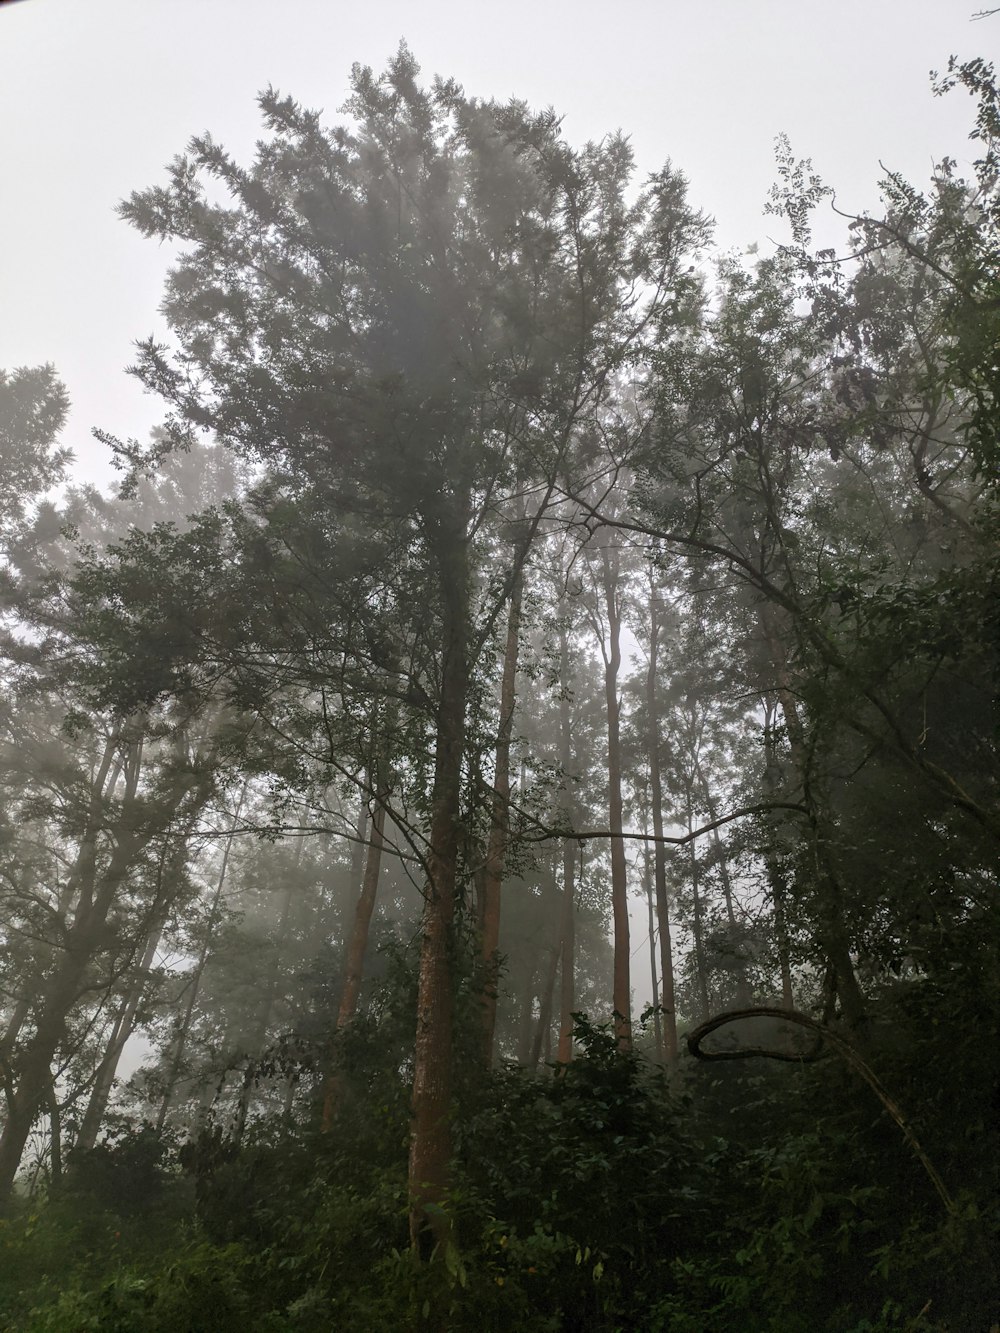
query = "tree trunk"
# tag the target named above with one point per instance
(359, 854)
(100, 1094)
(698, 930)
(35, 1065)
(668, 1002)
(612, 652)
(358, 947)
(832, 934)
(544, 1029)
(363, 912)
(743, 994)
(654, 980)
(772, 860)
(496, 855)
(258, 1043)
(430, 1142)
(83, 943)
(55, 1139)
(526, 1018)
(194, 985)
(567, 983)
(102, 785)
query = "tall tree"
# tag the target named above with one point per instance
(401, 320)
(607, 621)
(666, 998)
(496, 851)
(95, 930)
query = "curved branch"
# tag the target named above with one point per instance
(841, 1046)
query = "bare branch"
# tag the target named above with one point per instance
(581, 835)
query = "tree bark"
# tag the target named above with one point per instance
(543, 1032)
(184, 1028)
(832, 934)
(430, 1141)
(358, 947)
(567, 980)
(743, 995)
(526, 1018)
(668, 1002)
(359, 852)
(612, 652)
(775, 873)
(363, 912)
(84, 941)
(100, 1094)
(654, 980)
(258, 1043)
(496, 855)
(102, 785)
(55, 1139)
(698, 930)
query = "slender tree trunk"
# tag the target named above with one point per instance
(35, 1065)
(358, 947)
(567, 980)
(97, 1103)
(698, 928)
(83, 943)
(526, 1018)
(781, 934)
(363, 912)
(668, 1002)
(496, 855)
(17, 1020)
(55, 1139)
(194, 985)
(772, 860)
(258, 1042)
(654, 980)
(832, 933)
(359, 853)
(479, 889)
(611, 649)
(743, 992)
(544, 1029)
(430, 1142)
(102, 785)
(289, 1099)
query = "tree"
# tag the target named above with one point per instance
(90, 922)
(819, 462)
(496, 851)
(606, 619)
(401, 321)
(33, 407)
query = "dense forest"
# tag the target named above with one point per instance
(521, 605)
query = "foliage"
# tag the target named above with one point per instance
(586, 1198)
(33, 406)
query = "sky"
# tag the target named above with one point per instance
(97, 96)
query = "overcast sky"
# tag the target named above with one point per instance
(97, 95)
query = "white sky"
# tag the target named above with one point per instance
(96, 96)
